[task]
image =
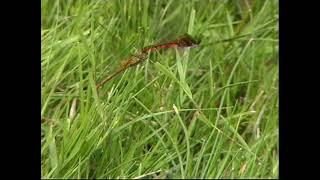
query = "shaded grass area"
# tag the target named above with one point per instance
(209, 112)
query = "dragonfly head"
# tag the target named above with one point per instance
(187, 41)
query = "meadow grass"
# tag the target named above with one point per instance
(205, 112)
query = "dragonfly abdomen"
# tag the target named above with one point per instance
(158, 47)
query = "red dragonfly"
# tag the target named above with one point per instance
(182, 42)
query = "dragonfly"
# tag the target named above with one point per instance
(184, 41)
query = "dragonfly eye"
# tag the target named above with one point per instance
(191, 43)
(188, 41)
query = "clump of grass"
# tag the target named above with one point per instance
(210, 112)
